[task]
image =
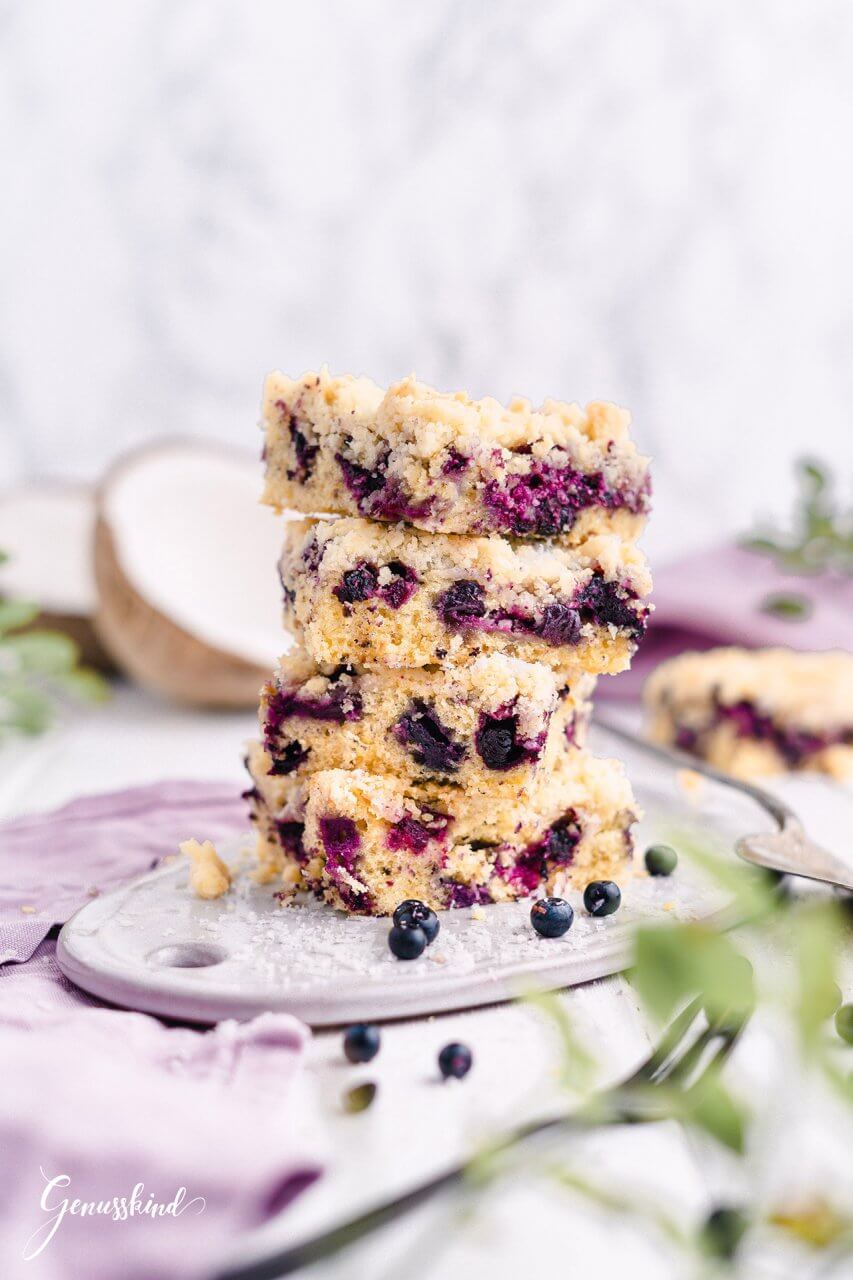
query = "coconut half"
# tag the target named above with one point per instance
(189, 601)
(47, 532)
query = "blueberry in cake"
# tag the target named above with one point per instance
(391, 596)
(754, 713)
(448, 464)
(366, 842)
(494, 723)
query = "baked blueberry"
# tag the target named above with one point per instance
(414, 913)
(454, 1061)
(498, 744)
(560, 624)
(602, 897)
(429, 742)
(357, 584)
(461, 602)
(361, 1042)
(407, 942)
(660, 860)
(551, 917)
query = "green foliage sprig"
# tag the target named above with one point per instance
(820, 537)
(38, 668)
(673, 961)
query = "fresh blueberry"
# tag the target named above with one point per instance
(723, 1231)
(661, 860)
(361, 1042)
(455, 1060)
(407, 942)
(602, 897)
(416, 914)
(551, 917)
(844, 1022)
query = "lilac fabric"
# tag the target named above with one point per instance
(715, 598)
(56, 862)
(115, 1109)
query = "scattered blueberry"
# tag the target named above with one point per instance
(361, 1042)
(844, 1022)
(551, 917)
(723, 1231)
(407, 942)
(661, 860)
(602, 897)
(359, 1097)
(455, 1060)
(416, 914)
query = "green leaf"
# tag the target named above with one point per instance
(710, 1106)
(787, 605)
(814, 474)
(85, 685)
(17, 613)
(46, 653)
(25, 709)
(765, 546)
(816, 932)
(578, 1065)
(674, 962)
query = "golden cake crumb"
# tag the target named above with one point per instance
(209, 876)
(691, 783)
(29, 911)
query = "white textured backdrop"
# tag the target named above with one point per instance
(645, 201)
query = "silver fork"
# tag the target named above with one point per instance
(688, 1050)
(788, 849)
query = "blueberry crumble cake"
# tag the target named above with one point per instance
(392, 596)
(449, 464)
(753, 713)
(494, 723)
(365, 842)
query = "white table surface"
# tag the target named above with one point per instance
(417, 1126)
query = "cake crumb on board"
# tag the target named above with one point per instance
(209, 876)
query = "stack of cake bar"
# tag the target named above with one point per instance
(477, 571)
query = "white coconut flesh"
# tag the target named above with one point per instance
(47, 532)
(194, 543)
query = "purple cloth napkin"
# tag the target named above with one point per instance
(113, 1109)
(56, 862)
(716, 597)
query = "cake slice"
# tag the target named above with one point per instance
(365, 842)
(495, 722)
(450, 464)
(390, 596)
(754, 713)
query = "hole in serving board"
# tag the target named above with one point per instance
(188, 955)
